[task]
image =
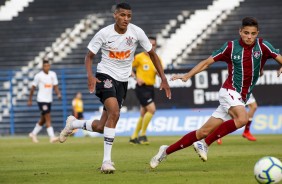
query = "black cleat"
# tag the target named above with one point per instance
(134, 141)
(143, 139)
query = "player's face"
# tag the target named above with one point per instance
(249, 34)
(154, 44)
(123, 18)
(79, 95)
(46, 67)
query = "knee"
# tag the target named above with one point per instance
(152, 111)
(241, 121)
(202, 133)
(100, 129)
(114, 116)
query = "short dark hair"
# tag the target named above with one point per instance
(152, 38)
(125, 6)
(250, 21)
(45, 61)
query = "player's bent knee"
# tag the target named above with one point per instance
(240, 122)
(202, 133)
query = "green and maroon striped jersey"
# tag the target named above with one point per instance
(245, 63)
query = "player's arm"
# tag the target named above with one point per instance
(88, 64)
(29, 102)
(157, 63)
(279, 60)
(203, 65)
(58, 92)
(73, 108)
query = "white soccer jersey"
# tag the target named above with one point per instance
(118, 50)
(45, 83)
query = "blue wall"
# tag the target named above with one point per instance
(267, 120)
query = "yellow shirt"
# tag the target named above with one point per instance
(145, 68)
(77, 105)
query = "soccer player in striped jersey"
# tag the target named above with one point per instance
(245, 58)
(118, 43)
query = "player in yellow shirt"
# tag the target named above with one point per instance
(77, 106)
(145, 79)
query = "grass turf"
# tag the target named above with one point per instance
(77, 160)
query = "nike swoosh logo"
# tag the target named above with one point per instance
(110, 42)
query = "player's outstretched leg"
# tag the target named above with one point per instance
(159, 157)
(201, 149)
(67, 130)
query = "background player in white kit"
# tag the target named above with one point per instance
(118, 43)
(45, 80)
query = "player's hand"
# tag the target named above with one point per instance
(60, 97)
(29, 102)
(92, 83)
(165, 86)
(139, 81)
(181, 77)
(279, 72)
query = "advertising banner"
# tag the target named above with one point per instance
(202, 90)
(267, 120)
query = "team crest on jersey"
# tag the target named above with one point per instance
(256, 54)
(108, 83)
(129, 41)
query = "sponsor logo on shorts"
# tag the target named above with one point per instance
(108, 83)
(45, 107)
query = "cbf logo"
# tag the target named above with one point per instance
(256, 54)
(108, 83)
(129, 41)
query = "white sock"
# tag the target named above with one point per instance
(109, 136)
(82, 124)
(78, 123)
(50, 132)
(36, 129)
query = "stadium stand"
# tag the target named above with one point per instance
(267, 12)
(44, 26)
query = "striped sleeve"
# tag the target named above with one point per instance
(270, 50)
(222, 53)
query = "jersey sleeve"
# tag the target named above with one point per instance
(270, 50)
(96, 42)
(144, 40)
(55, 79)
(221, 54)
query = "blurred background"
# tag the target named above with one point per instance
(187, 32)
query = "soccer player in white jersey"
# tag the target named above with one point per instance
(45, 81)
(118, 43)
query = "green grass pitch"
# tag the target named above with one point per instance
(77, 160)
